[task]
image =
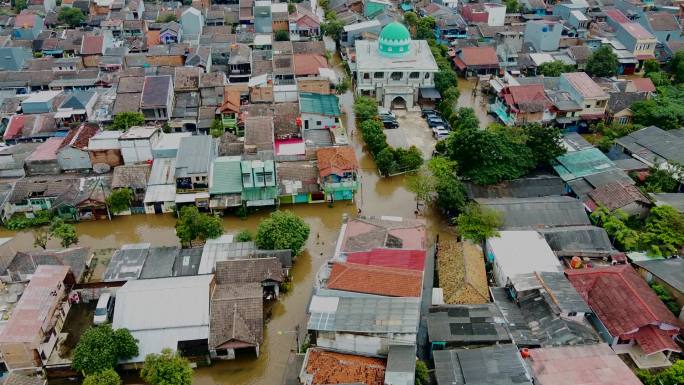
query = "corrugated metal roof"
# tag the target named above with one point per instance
(538, 213)
(226, 176)
(311, 103)
(500, 365)
(578, 164)
(160, 193)
(369, 315)
(194, 155)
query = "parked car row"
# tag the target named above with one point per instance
(440, 128)
(389, 120)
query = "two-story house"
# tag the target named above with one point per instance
(544, 35)
(319, 111)
(337, 171)
(638, 41)
(156, 102)
(523, 104)
(192, 22)
(170, 33)
(586, 93)
(259, 185)
(193, 164)
(137, 143)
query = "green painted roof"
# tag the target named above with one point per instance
(226, 177)
(578, 164)
(310, 103)
(394, 40)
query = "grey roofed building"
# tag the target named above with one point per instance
(589, 241)
(159, 262)
(132, 176)
(401, 365)
(575, 141)
(12, 159)
(380, 315)
(249, 270)
(224, 249)
(194, 155)
(561, 293)
(535, 186)
(13, 58)
(127, 262)
(653, 145)
(493, 365)
(259, 134)
(156, 91)
(533, 321)
(24, 263)
(538, 213)
(670, 271)
(297, 177)
(460, 325)
(236, 316)
(675, 200)
(187, 262)
(318, 138)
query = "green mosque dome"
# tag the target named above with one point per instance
(395, 40)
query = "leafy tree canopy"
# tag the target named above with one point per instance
(676, 66)
(167, 368)
(167, 18)
(100, 348)
(193, 225)
(422, 374)
(411, 19)
(603, 62)
(105, 377)
(282, 36)
(477, 223)
(125, 120)
(555, 68)
(65, 232)
(282, 230)
(244, 236)
(71, 16)
(365, 108)
(119, 200)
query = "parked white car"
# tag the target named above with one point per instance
(105, 306)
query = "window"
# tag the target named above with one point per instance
(378, 75)
(389, 49)
(246, 179)
(587, 106)
(414, 75)
(366, 76)
(427, 75)
(318, 123)
(260, 178)
(401, 49)
(337, 120)
(623, 120)
(269, 177)
(396, 75)
(572, 314)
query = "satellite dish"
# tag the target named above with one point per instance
(101, 168)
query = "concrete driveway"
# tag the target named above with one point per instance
(413, 131)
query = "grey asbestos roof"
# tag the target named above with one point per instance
(194, 155)
(187, 262)
(671, 271)
(675, 200)
(563, 294)
(467, 325)
(578, 240)
(401, 359)
(159, 262)
(495, 365)
(536, 186)
(127, 262)
(537, 213)
(654, 144)
(370, 315)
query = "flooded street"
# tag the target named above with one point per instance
(378, 196)
(477, 102)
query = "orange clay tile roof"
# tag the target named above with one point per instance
(378, 280)
(338, 368)
(153, 38)
(308, 63)
(336, 160)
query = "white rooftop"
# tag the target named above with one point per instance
(541, 58)
(419, 58)
(262, 39)
(41, 97)
(522, 252)
(160, 312)
(362, 25)
(138, 133)
(171, 140)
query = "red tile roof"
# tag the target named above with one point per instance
(397, 258)
(478, 56)
(25, 20)
(46, 151)
(651, 339)
(583, 84)
(15, 127)
(337, 368)
(617, 195)
(643, 85)
(386, 281)
(529, 98)
(621, 299)
(617, 16)
(336, 160)
(306, 64)
(153, 38)
(79, 137)
(92, 45)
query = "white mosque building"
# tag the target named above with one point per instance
(395, 69)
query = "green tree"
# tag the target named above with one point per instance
(167, 18)
(167, 368)
(343, 86)
(663, 234)
(451, 196)
(291, 8)
(546, 143)
(105, 377)
(333, 28)
(478, 224)
(650, 66)
(100, 348)
(614, 223)
(422, 374)
(411, 19)
(365, 108)
(512, 6)
(465, 119)
(20, 5)
(216, 129)
(662, 180)
(385, 161)
(65, 232)
(603, 62)
(659, 78)
(668, 113)
(119, 200)
(71, 16)
(282, 36)
(667, 299)
(244, 236)
(374, 136)
(554, 68)
(125, 120)
(676, 67)
(425, 29)
(422, 183)
(444, 79)
(282, 230)
(408, 160)
(41, 236)
(193, 225)
(486, 157)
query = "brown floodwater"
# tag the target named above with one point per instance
(477, 101)
(378, 196)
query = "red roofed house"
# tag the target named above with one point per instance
(644, 85)
(27, 26)
(92, 49)
(72, 154)
(523, 104)
(473, 61)
(30, 335)
(616, 195)
(367, 233)
(378, 280)
(395, 258)
(308, 64)
(629, 313)
(303, 23)
(43, 161)
(337, 168)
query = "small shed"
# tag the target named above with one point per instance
(43, 161)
